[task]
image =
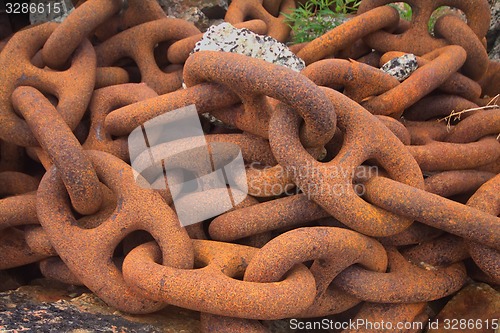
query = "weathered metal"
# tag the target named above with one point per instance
(355, 191)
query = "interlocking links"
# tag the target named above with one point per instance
(73, 87)
(414, 234)
(14, 182)
(206, 97)
(445, 62)
(14, 251)
(359, 80)
(240, 10)
(67, 154)
(254, 79)
(17, 210)
(346, 34)
(54, 268)
(456, 83)
(404, 283)
(108, 76)
(417, 39)
(438, 106)
(88, 252)
(450, 183)
(434, 210)
(433, 153)
(75, 28)
(456, 32)
(476, 126)
(332, 249)
(133, 12)
(365, 138)
(138, 43)
(487, 199)
(489, 82)
(213, 288)
(284, 212)
(103, 102)
(441, 251)
(179, 51)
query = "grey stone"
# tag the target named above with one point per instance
(402, 67)
(49, 12)
(224, 37)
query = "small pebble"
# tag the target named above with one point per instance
(402, 67)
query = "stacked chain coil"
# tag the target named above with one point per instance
(368, 197)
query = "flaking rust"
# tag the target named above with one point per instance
(361, 186)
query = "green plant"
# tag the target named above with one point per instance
(315, 17)
(404, 10)
(440, 11)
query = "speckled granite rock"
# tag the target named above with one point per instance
(49, 309)
(224, 37)
(401, 67)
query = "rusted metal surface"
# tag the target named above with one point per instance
(104, 101)
(200, 289)
(419, 284)
(487, 200)
(342, 36)
(138, 43)
(240, 10)
(66, 38)
(16, 70)
(417, 39)
(358, 126)
(355, 191)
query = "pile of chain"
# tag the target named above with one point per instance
(71, 205)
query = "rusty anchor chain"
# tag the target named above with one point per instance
(366, 197)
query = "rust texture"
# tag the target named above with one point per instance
(362, 196)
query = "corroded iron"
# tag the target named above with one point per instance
(200, 289)
(487, 200)
(433, 152)
(16, 70)
(418, 285)
(103, 102)
(138, 44)
(417, 39)
(359, 126)
(361, 188)
(240, 10)
(94, 247)
(342, 36)
(253, 79)
(70, 34)
(445, 62)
